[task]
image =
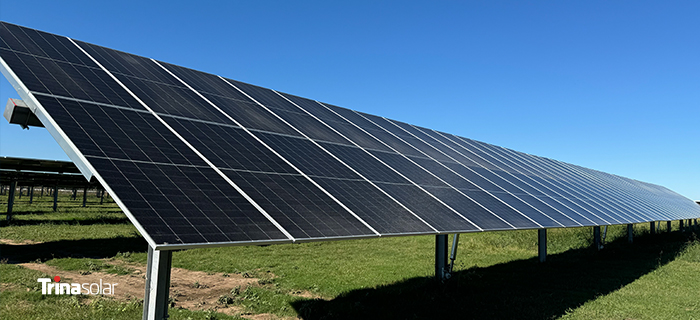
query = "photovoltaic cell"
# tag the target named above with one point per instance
(313, 107)
(297, 150)
(302, 209)
(384, 214)
(435, 213)
(229, 147)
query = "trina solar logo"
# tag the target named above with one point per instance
(47, 287)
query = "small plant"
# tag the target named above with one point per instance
(225, 299)
(123, 254)
(92, 266)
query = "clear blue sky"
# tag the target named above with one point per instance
(610, 85)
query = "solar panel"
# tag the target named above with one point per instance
(195, 159)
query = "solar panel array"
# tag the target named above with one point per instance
(198, 159)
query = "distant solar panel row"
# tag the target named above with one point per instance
(197, 159)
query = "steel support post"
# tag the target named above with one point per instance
(630, 233)
(31, 194)
(681, 225)
(542, 244)
(668, 226)
(441, 256)
(11, 198)
(652, 227)
(84, 196)
(55, 198)
(102, 196)
(155, 301)
(596, 237)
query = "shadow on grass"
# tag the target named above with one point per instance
(522, 289)
(88, 248)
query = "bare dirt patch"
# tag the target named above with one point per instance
(8, 286)
(193, 290)
(264, 316)
(16, 243)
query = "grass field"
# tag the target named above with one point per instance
(497, 275)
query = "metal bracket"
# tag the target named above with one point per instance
(17, 112)
(453, 255)
(602, 239)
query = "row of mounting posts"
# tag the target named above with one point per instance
(443, 268)
(30, 192)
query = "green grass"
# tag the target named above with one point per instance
(496, 273)
(265, 300)
(669, 292)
